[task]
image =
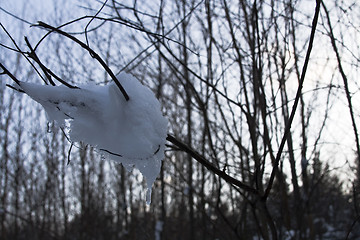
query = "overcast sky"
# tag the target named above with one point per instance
(339, 130)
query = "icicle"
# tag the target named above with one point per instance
(148, 196)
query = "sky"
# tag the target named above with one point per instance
(338, 131)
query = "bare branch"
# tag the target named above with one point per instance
(345, 80)
(48, 73)
(297, 99)
(20, 51)
(7, 72)
(91, 52)
(209, 166)
(87, 25)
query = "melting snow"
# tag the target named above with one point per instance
(131, 132)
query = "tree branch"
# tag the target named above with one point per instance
(48, 73)
(210, 166)
(7, 72)
(345, 80)
(296, 102)
(91, 52)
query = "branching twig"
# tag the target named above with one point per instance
(87, 25)
(48, 73)
(345, 80)
(20, 51)
(34, 56)
(91, 52)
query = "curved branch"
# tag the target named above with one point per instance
(91, 52)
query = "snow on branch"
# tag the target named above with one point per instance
(91, 52)
(130, 132)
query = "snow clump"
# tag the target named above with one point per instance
(130, 132)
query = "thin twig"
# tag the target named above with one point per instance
(119, 155)
(345, 80)
(14, 16)
(158, 37)
(357, 219)
(21, 52)
(87, 25)
(14, 88)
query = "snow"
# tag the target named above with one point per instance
(131, 132)
(158, 229)
(148, 196)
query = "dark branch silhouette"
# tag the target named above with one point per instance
(91, 52)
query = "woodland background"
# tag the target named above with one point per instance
(226, 73)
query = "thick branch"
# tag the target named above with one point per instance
(210, 166)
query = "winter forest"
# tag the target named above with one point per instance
(242, 120)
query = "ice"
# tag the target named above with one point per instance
(148, 196)
(131, 132)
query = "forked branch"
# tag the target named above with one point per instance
(91, 52)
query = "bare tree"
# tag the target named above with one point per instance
(248, 121)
